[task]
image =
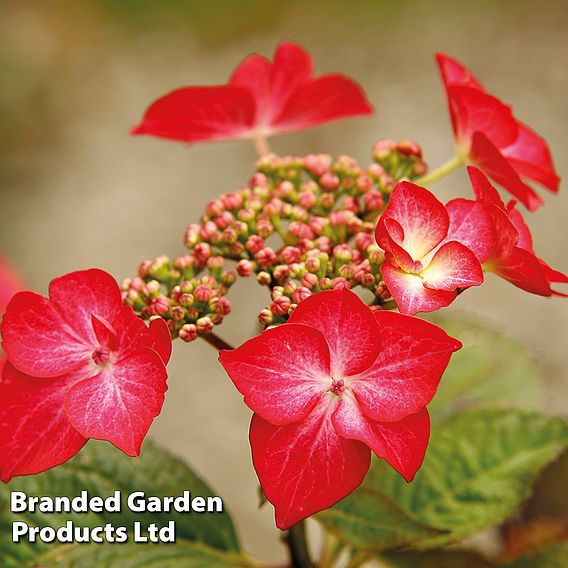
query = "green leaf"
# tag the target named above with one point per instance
(131, 555)
(437, 559)
(479, 467)
(554, 557)
(490, 369)
(369, 520)
(101, 469)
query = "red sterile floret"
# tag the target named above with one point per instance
(333, 383)
(262, 98)
(507, 250)
(427, 259)
(489, 136)
(81, 365)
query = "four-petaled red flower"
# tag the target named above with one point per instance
(426, 264)
(334, 382)
(262, 98)
(489, 136)
(506, 247)
(80, 365)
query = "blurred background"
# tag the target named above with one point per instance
(76, 191)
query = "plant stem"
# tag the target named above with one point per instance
(216, 341)
(298, 546)
(261, 145)
(441, 171)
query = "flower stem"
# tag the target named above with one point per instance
(216, 341)
(261, 145)
(441, 171)
(298, 546)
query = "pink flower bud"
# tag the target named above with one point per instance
(258, 180)
(290, 255)
(318, 224)
(383, 148)
(144, 268)
(281, 272)
(382, 291)
(301, 294)
(273, 208)
(292, 309)
(290, 287)
(323, 244)
(410, 148)
(351, 204)
(202, 252)
(313, 264)
(215, 262)
(177, 313)
(307, 200)
(224, 220)
(329, 181)
(246, 215)
(230, 236)
(245, 268)
(296, 270)
(325, 283)
(277, 291)
(231, 200)
(152, 288)
(160, 306)
(375, 254)
(363, 241)
(285, 189)
(188, 332)
(208, 231)
(220, 305)
(186, 300)
(236, 248)
(364, 183)
(265, 228)
(327, 200)
(300, 230)
(337, 218)
(191, 235)
(217, 319)
(280, 305)
(265, 257)
(266, 317)
(340, 283)
(254, 244)
(202, 293)
(309, 280)
(373, 201)
(368, 279)
(183, 262)
(343, 253)
(263, 278)
(229, 277)
(347, 271)
(204, 325)
(214, 208)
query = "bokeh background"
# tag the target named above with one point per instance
(76, 191)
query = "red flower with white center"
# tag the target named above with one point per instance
(489, 136)
(9, 285)
(507, 249)
(425, 264)
(333, 383)
(80, 365)
(262, 98)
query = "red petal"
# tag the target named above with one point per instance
(192, 114)
(525, 238)
(422, 217)
(489, 159)
(273, 84)
(80, 295)
(347, 324)
(38, 341)
(482, 188)
(476, 111)
(402, 444)
(305, 468)
(282, 372)
(472, 226)
(392, 237)
(524, 270)
(35, 433)
(455, 74)
(407, 371)
(453, 266)
(120, 403)
(410, 294)
(530, 157)
(322, 100)
(162, 339)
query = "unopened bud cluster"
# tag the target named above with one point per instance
(302, 225)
